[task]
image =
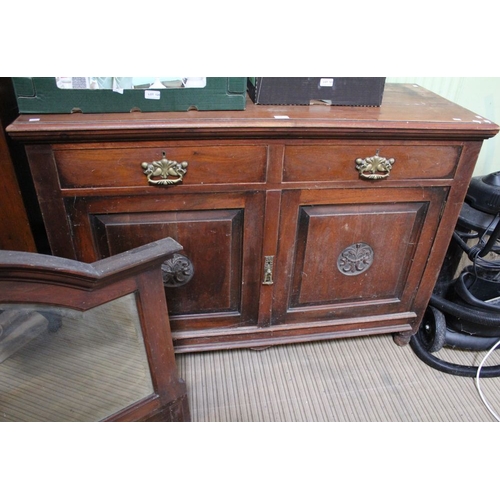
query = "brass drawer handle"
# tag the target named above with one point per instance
(374, 167)
(169, 171)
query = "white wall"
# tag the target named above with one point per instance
(479, 94)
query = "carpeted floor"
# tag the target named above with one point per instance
(366, 379)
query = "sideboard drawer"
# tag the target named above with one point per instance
(326, 163)
(121, 166)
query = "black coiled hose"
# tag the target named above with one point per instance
(447, 367)
(484, 318)
(483, 202)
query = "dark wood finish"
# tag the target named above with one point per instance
(28, 278)
(408, 111)
(268, 181)
(413, 160)
(15, 230)
(210, 164)
(221, 236)
(390, 221)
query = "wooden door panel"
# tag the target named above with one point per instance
(212, 240)
(221, 235)
(340, 257)
(344, 252)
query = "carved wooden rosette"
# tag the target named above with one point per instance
(177, 271)
(355, 259)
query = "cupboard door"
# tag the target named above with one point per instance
(220, 235)
(352, 253)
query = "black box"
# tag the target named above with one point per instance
(336, 91)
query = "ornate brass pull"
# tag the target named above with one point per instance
(374, 167)
(169, 171)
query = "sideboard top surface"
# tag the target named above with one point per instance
(407, 110)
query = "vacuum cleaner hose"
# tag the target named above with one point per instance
(450, 368)
(469, 342)
(484, 318)
(480, 215)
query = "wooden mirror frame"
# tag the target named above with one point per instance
(29, 278)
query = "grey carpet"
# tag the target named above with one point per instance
(366, 379)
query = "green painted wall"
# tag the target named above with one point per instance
(479, 94)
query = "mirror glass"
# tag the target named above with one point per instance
(59, 364)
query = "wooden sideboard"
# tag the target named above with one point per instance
(299, 223)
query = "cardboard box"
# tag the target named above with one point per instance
(335, 91)
(125, 94)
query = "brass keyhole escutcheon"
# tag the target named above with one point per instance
(268, 270)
